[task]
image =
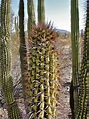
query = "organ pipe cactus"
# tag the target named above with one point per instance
(17, 26)
(43, 73)
(75, 52)
(5, 62)
(23, 51)
(41, 11)
(31, 15)
(83, 101)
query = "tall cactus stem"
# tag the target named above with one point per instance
(75, 50)
(23, 50)
(41, 11)
(31, 15)
(5, 62)
(83, 103)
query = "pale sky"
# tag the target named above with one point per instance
(58, 11)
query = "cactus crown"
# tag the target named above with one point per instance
(44, 30)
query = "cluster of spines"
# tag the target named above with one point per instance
(43, 73)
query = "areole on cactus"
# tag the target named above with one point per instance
(43, 73)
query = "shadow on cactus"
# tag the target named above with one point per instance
(43, 73)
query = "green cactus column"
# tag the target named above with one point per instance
(43, 74)
(83, 101)
(48, 112)
(5, 62)
(23, 51)
(75, 49)
(53, 79)
(31, 15)
(17, 26)
(41, 11)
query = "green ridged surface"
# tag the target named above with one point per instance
(42, 73)
(5, 62)
(53, 80)
(75, 50)
(23, 52)
(41, 11)
(31, 15)
(17, 26)
(83, 100)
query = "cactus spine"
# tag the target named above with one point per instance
(75, 49)
(42, 73)
(31, 15)
(41, 11)
(5, 62)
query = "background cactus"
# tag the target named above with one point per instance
(23, 51)
(41, 11)
(5, 62)
(31, 15)
(17, 26)
(43, 74)
(75, 52)
(83, 101)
